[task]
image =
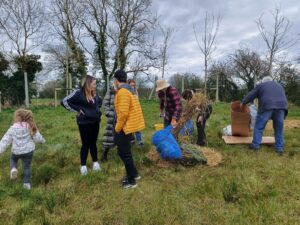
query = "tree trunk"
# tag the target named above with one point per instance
(163, 70)
(205, 76)
(26, 90)
(217, 88)
(70, 82)
(270, 65)
(152, 91)
(67, 76)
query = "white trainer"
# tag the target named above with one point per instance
(13, 174)
(27, 186)
(96, 166)
(83, 170)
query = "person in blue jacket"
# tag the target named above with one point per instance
(86, 103)
(272, 104)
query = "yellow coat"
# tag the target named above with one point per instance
(129, 113)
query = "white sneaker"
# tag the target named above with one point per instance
(83, 170)
(13, 174)
(96, 166)
(27, 186)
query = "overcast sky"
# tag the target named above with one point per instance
(237, 27)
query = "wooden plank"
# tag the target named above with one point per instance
(233, 140)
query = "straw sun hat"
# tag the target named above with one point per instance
(161, 84)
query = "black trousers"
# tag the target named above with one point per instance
(166, 122)
(201, 132)
(89, 134)
(124, 151)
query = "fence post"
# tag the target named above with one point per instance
(55, 96)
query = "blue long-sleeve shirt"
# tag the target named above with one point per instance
(270, 96)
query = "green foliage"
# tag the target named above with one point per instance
(289, 77)
(30, 64)
(3, 63)
(77, 64)
(3, 67)
(12, 87)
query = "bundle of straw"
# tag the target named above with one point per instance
(213, 157)
(197, 105)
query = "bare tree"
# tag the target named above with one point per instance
(163, 56)
(65, 20)
(167, 35)
(119, 29)
(55, 58)
(277, 38)
(206, 42)
(134, 21)
(95, 21)
(21, 22)
(141, 64)
(248, 66)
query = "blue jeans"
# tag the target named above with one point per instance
(138, 136)
(277, 115)
(26, 158)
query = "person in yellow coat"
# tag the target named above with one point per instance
(129, 120)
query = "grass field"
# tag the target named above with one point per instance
(247, 188)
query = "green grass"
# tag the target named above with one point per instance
(247, 188)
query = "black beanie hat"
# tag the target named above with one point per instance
(121, 76)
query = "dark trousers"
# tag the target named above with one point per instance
(124, 151)
(89, 135)
(166, 122)
(26, 159)
(201, 132)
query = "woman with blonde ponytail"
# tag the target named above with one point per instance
(23, 135)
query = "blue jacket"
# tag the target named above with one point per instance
(270, 96)
(77, 101)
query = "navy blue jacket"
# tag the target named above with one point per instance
(77, 101)
(270, 96)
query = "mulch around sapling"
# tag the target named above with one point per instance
(208, 156)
